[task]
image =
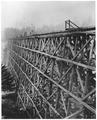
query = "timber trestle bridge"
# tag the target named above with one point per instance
(55, 73)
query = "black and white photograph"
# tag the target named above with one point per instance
(48, 59)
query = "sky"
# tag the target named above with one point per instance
(50, 13)
(20, 14)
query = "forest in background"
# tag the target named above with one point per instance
(9, 33)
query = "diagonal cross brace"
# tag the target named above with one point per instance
(37, 89)
(68, 92)
(60, 59)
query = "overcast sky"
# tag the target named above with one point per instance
(20, 14)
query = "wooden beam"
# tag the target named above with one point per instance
(68, 92)
(64, 103)
(37, 89)
(24, 106)
(60, 59)
(32, 101)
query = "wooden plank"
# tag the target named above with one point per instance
(69, 88)
(79, 111)
(71, 65)
(57, 34)
(64, 103)
(73, 53)
(94, 90)
(74, 114)
(68, 92)
(61, 59)
(54, 54)
(32, 101)
(87, 75)
(25, 107)
(80, 80)
(37, 89)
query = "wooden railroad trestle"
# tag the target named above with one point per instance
(55, 74)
